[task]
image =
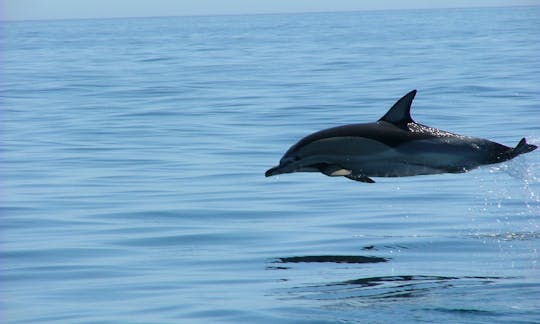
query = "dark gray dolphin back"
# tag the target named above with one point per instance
(392, 129)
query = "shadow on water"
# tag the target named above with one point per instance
(355, 259)
(375, 288)
(333, 259)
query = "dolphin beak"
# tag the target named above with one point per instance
(273, 171)
(286, 166)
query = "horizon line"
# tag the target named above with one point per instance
(2, 20)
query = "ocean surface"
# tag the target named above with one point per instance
(133, 152)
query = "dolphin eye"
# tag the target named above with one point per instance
(289, 159)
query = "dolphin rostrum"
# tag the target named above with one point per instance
(393, 146)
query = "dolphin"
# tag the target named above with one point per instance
(393, 146)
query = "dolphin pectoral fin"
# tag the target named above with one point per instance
(334, 170)
(360, 177)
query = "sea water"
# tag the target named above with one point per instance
(133, 152)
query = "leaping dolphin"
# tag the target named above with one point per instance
(393, 146)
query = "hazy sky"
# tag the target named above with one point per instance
(68, 9)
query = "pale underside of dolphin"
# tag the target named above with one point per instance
(393, 146)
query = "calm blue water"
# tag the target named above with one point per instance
(133, 151)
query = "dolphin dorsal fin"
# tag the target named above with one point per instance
(400, 113)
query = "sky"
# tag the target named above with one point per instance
(77, 9)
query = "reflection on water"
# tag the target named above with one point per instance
(386, 287)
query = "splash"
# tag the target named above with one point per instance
(512, 207)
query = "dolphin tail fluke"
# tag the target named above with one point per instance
(523, 147)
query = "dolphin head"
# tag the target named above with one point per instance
(287, 164)
(294, 160)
